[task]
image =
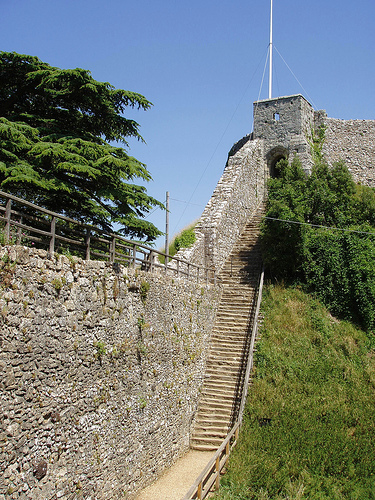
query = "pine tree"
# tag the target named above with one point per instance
(58, 128)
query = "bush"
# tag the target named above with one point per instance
(185, 240)
(326, 237)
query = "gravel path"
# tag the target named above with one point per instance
(177, 480)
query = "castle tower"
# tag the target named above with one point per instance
(285, 124)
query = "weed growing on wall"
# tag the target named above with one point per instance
(101, 350)
(145, 287)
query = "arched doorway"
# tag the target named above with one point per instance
(273, 156)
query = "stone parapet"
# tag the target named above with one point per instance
(238, 194)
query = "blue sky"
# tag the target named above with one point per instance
(201, 63)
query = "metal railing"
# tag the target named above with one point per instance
(31, 225)
(209, 478)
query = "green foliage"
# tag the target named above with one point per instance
(335, 262)
(101, 349)
(57, 283)
(145, 288)
(55, 129)
(184, 240)
(308, 428)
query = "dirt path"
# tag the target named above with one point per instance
(177, 480)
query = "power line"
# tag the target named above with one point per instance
(194, 204)
(320, 226)
(149, 214)
(218, 144)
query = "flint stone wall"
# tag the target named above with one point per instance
(352, 141)
(238, 194)
(100, 373)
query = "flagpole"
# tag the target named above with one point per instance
(271, 50)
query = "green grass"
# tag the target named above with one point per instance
(185, 239)
(314, 390)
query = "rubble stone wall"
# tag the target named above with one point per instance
(100, 373)
(238, 194)
(352, 141)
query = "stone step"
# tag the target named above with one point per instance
(203, 446)
(218, 429)
(224, 405)
(229, 340)
(230, 352)
(231, 333)
(209, 435)
(219, 392)
(217, 364)
(227, 380)
(227, 385)
(223, 412)
(217, 369)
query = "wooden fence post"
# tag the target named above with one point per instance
(112, 250)
(8, 212)
(87, 243)
(227, 453)
(134, 255)
(19, 232)
(200, 491)
(53, 237)
(217, 470)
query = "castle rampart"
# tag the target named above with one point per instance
(101, 366)
(240, 190)
(352, 141)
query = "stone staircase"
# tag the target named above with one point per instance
(230, 341)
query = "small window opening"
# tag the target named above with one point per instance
(276, 117)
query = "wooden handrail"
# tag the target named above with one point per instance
(89, 236)
(210, 476)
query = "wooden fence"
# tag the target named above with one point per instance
(28, 224)
(209, 478)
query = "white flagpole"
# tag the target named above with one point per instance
(271, 50)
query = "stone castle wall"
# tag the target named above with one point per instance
(239, 192)
(352, 141)
(100, 373)
(283, 128)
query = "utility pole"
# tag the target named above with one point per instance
(167, 229)
(271, 50)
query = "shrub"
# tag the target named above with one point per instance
(321, 234)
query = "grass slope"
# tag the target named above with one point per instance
(309, 425)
